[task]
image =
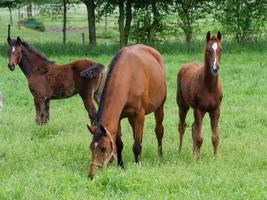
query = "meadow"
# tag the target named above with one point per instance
(51, 162)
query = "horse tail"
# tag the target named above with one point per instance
(92, 72)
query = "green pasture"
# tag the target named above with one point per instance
(51, 162)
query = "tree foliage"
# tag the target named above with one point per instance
(150, 20)
(245, 19)
(189, 11)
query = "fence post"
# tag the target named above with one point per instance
(8, 30)
(19, 22)
(83, 40)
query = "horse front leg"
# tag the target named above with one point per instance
(119, 145)
(197, 132)
(39, 105)
(214, 119)
(46, 111)
(137, 124)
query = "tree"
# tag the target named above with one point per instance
(189, 11)
(90, 6)
(10, 4)
(125, 16)
(245, 19)
(55, 9)
(149, 19)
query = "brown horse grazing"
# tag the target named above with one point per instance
(135, 86)
(199, 87)
(48, 80)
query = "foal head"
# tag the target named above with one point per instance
(213, 52)
(103, 149)
(14, 52)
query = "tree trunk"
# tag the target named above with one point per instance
(155, 23)
(90, 5)
(121, 23)
(106, 22)
(64, 20)
(29, 10)
(10, 16)
(128, 21)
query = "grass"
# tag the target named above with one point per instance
(52, 162)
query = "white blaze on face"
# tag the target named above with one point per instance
(214, 47)
(13, 49)
(96, 144)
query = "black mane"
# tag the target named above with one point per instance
(36, 52)
(103, 96)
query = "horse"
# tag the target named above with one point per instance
(199, 87)
(135, 86)
(48, 80)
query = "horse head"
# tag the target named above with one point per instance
(14, 52)
(213, 52)
(103, 149)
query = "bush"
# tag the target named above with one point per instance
(245, 19)
(34, 24)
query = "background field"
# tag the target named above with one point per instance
(52, 162)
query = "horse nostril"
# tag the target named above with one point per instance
(11, 66)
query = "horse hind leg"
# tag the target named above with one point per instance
(159, 129)
(137, 123)
(182, 125)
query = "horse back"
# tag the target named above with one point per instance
(147, 86)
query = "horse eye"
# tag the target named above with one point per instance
(102, 149)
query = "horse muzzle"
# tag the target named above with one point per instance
(11, 67)
(215, 69)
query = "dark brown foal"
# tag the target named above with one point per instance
(199, 87)
(48, 80)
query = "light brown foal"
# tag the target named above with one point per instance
(199, 87)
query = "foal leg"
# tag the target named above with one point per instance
(137, 124)
(182, 116)
(119, 145)
(214, 118)
(40, 111)
(197, 133)
(159, 129)
(38, 117)
(46, 111)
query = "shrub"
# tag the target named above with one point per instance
(34, 24)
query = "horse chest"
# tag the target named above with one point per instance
(206, 101)
(37, 86)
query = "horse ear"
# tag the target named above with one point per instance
(208, 37)
(18, 40)
(219, 35)
(8, 40)
(92, 130)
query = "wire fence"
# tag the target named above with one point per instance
(77, 25)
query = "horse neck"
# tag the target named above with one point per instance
(30, 62)
(211, 80)
(114, 102)
(25, 63)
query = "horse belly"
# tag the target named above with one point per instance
(63, 86)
